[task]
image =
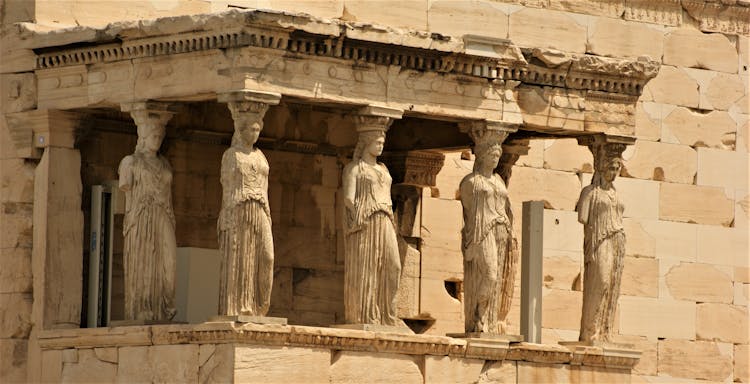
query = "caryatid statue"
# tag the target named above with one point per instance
(244, 226)
(372, 266)
(150, 248)
(487, 236)
(600, 211)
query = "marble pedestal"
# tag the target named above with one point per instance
(249, 319)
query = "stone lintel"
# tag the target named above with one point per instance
(149, 106)
(488, 125)
(32, 131)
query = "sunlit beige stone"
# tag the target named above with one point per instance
(716, 129)
(722, 168)
(659, 161)
(274, 364)
(561, 309)
(458, 18)
(694, 360)
(547, 29)
(741, 359)
(688, 47)
(640, 277)
(699, 282)
(672, 86)
(346, 367)
(671, 319)
(448, 369)
(411, 14)
(725, 90)
(618, 38)
(713, 319)
(677, 203)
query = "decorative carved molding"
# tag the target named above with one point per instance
(331, 338)
(664, 12)
(418, 168)
(587, 72)
(717, 16)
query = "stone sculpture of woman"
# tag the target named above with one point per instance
(150, 249)
(244, 227)
(600, 211)
(487, 239)
(372, 263)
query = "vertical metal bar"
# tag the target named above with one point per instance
(531, 270)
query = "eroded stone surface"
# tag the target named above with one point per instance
(281, 364)
(722, 322)
(677, 203)
(699, 282)
(694, 360)
(346, 367)
(690, 48)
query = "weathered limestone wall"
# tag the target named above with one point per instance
(16, 209)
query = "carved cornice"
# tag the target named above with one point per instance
(587, 72)
(418, 168)
(363, 45)
(331, 338)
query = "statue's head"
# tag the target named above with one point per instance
(151, 131)
(607, 161)
(370, 142)
(248, 122)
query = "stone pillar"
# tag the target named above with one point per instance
(600, 211)
(372, 266)
(244, 227)
(56, 232)
(412, 171)
(150, 246)
(487, 234)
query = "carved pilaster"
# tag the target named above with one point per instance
(32, 131)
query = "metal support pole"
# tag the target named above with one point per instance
(531, 270)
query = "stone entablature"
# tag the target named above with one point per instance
(331, 61)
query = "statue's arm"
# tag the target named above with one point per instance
(125, 171)
(583, 206)
(349, 181)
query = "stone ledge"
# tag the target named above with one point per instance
(328, 338)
